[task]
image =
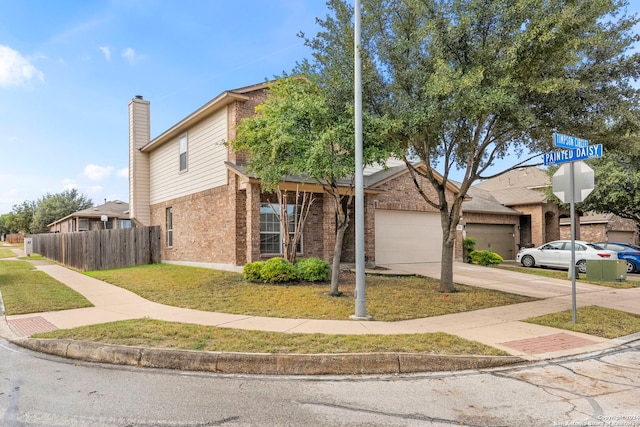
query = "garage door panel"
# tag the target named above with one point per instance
(407, 237)
(621, 236)
(497, 237)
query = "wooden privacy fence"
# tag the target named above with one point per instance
(101, 249)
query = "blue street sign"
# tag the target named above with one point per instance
(566, 141)
(564, 156)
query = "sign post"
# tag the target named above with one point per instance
(566, 190)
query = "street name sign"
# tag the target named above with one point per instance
(567, 141)
(573, 155)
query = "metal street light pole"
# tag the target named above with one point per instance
(361, 306)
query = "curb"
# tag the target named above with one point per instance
(261, 363)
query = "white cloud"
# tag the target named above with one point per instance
(130, 55)
(97, 173)
(123, 173)
(106, 51)
(15, 69)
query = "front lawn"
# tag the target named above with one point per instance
(389, 298)
(27, 290)
(593, 320)
(156, 333)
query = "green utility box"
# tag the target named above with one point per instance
(606, 270)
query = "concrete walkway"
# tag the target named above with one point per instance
(499, 327)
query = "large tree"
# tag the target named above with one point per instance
(22, 216)
(51, 207)
(297, 132)
(617, 186)
(469, 82)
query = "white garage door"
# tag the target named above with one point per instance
(407, 237)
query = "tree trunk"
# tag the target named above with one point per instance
(337, 255)
(446, 266)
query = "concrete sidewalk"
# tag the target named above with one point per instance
(499, 327)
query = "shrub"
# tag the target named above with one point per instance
(468, 246)
(253, 271)
(485, 257)
(313, 270)
(278, 270)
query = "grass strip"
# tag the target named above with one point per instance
(27, 290)
(161, 334)
(593, 320)
(389, 298)
(562, 274)
(6, 253)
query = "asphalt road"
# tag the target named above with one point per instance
(598, 389)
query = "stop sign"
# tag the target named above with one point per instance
(582, 182)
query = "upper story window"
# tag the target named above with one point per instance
(183, 152)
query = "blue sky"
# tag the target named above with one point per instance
(68, 69)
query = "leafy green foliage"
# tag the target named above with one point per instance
(469, 82)
(253, 271)
(617, 186)
(274, 270)
(485, 257)
(313, 269)
(278, 270)
(52, 207)
(468, 246)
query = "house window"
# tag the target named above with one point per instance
(183, 152)
(270, 236)
(124, 223)
(83, 224)
(169, 227)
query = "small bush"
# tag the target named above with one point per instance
(485, 257)
(278, 270)
(468, 246)
(313, 270)
(253, 271)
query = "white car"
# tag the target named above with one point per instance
(558, 254)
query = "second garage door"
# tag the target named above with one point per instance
(497, 237)
(404, 237)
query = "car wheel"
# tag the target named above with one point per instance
(630, 267)
(528, 261)
(582, 266)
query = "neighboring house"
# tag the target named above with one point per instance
(114, 214)
(532, 219)
(195, 187)
(602, 228)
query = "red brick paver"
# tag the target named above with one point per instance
(28, 326)
(548, 344)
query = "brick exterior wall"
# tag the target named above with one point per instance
(238, 111)
(598, 232)
(203, 226)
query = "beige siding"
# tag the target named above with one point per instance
(139, 135)
(205, 161)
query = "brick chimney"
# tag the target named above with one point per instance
(139, 136)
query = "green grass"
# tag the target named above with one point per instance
(6, 253)
(593, 320)
(156, 333)
(26, 290)
(562, 274)
(388, 298)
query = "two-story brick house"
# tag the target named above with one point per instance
(195, 187)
